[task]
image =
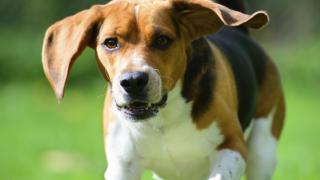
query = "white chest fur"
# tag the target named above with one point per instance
(169, 144)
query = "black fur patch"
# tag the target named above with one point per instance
(50, 39)
(198, 83)
(248, 62)
(205, 94)
(237, 5)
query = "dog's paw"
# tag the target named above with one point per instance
(216, 177)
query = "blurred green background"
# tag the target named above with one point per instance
(40, 139)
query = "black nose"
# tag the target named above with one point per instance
(134, 82)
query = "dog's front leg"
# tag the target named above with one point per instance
(123, 171)
(123, 162)
(228, 165)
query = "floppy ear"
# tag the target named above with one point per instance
(64, 42)
(203, 17)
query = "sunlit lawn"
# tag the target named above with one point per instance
(40, 139)
(43, 140)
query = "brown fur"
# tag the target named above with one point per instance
(138, 42)
(224, 107)
(66, 39)
(270, 96)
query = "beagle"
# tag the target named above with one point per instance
(191, 96)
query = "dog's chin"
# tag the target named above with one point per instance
(138, 110)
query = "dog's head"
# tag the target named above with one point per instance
(140, 46)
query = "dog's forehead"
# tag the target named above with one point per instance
(140, 1)
(118, 17)
(122, 17)
(137, 6)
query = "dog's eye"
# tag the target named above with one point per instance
(162, 42)
(111, 43)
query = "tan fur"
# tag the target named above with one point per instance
(270, 96)
(63, 43)
(224, 107)
(204, 17)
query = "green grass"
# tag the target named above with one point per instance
(43, 140)
(299, 145)
(40, 139)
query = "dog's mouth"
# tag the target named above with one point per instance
(139, 110)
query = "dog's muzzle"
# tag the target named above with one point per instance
(141, 95)
(138, 110)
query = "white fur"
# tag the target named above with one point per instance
(229, 165)
(262, 147)
(248, 131)
(136, 10)
(170, 145)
